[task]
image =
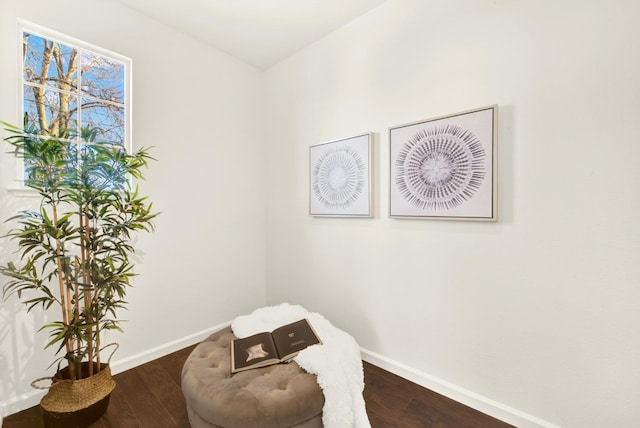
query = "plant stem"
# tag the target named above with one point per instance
(86, 277)
(64, 294)
(76, 312)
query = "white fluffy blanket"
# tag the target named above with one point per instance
(336, 363)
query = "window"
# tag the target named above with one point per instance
(73, 91)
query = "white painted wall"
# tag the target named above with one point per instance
(538, 312)
(202, 110)
(533, 316)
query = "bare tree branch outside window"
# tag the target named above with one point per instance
(71, 93)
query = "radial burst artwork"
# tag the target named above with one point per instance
(340, 178)
(444, 168)
(440, 168)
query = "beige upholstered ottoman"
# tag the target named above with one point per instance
(281, 395)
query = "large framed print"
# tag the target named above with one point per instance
(341, 177)
(445, 167)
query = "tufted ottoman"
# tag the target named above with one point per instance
(281, 395)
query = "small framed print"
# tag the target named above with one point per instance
(341, 177)
(445, 167)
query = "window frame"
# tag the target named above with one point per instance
(80, 45)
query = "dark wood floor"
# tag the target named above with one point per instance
(149, 396)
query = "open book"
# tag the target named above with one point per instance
(264, 349)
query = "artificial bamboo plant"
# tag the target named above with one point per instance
(75, 249)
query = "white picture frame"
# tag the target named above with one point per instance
(445, 167)
(341, 177)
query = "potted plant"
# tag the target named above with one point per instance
(74, 258)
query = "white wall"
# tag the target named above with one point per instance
(202, 110)
(535, 316)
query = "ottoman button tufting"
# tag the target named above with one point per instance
(277, 396)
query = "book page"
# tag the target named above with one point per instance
(292, 338)
(253, 351)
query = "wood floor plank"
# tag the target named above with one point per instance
(119, 414)
(29, 418)
(394, 402)
(150, 396)
(173, 363)
(149, 412)
(163, 386)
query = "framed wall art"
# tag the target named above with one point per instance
(340, 180)
(445, 167)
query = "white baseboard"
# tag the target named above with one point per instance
(27, 400)
(20, 402)
(475, 401)
(119, 366)
(461, 395)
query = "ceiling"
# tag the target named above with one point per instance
(259, 32)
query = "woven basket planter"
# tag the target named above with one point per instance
(76, 403)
